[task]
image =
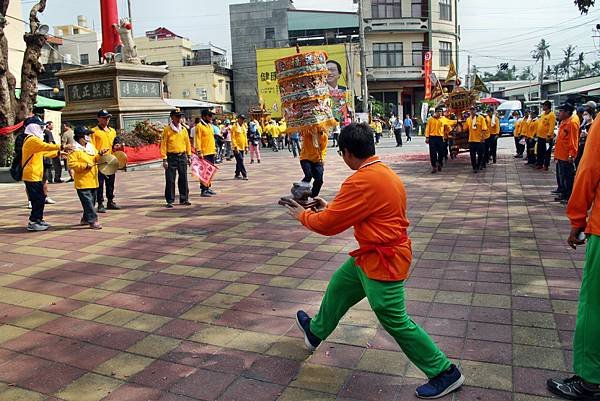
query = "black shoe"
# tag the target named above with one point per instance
(101, 208)
(303, 322)
(205, 194)
(475, 171)
(574, 388)
(112, 206)
(558, 199)
(169, 205)
(439, 168)
(556, 192)
(185, 203)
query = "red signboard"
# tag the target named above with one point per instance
(428, 56)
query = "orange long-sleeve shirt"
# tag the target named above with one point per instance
(372, 200)
(311, 152)
(567, 140)
(586, 192)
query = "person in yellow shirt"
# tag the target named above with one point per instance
(239, 143)
(545, 135)
(532, 124)
(205, 145)
(283, 134)
(493, 124)
(449, 121)
(176, 153)
(476, 126)
(518, 125)
(312, 159)
(32, 154)
(434, 136)
(83, 162)
(105, 137)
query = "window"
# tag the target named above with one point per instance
(417, 54)
(387, 55)
(75, 31)
(386, 9)
(416, 10)
(445, 54)
(84, 59)
(269, 33)
(446, 10)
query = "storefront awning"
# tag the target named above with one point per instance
(44, 102)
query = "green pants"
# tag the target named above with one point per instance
(349, 285)
(586, 344)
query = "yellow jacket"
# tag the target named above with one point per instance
(476, 134)
(312, 153)
(274, 130)
(435, 127)
(495, 130)
(103, 138)
(239, 137)
(524, 127)
(545, 126)
(175, 142)
(517, 127)
(34, 150)
(282, 126)
(84, 167)
(532, 128)
(205, 139)
(448, 125)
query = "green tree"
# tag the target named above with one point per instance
(584, 5)
(527, 74)
(567, 63)
(541, 52)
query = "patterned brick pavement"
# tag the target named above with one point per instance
(197, 303)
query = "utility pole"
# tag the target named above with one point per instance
(364, 91)
(542, 76)
(468, 77)
(129, 13)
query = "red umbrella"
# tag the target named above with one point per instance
(491, 100)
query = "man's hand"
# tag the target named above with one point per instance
(68, 148)
(322, 205)
(573, 239)
(294, 209)
(103, 151)
(165, 164)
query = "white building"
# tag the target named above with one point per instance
(80, 43)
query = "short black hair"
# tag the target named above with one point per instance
(338, 65)
(547, 103)
(358, 140)
(206, 113)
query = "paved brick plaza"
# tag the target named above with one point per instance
(197, 303)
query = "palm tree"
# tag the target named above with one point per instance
(580, 63)
(527, 74)
(556, 70)
(540, 52)
(548, 72)
(568, 60)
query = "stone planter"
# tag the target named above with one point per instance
(5, 177)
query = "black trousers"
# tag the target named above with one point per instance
(541, 151)
(109, 181)
(398, 135)
(177, 166)
(493, 147)
(35, 193)
(530, 151)
(476, 150)
(407, 130)
(567, 177)
(436, 151)
(520, 148)
(549, 152)
(57, 169)
(239, 163)
(88, 200)
(313, 170)
(487, 147)
(210, 158)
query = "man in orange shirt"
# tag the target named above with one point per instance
(583, 212)
(565, 152)
(373, 200)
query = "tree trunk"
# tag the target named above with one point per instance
(30, 71)
(8, 102)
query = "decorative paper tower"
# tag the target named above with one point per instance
(304, 93)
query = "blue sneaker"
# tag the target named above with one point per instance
(303, 321)
(442, 384)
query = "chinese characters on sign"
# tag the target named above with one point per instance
(268, 76)
(91, 91)
(139, 88)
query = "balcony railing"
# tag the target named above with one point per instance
(396, 24)
(395, 73)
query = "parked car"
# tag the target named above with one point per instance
(505, 114)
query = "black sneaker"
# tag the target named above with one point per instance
(574, 388)
(101, 208)
(185, 203)
(303, 322)
(169, 206)
(444, 383)
(556, 192)
(112, 206)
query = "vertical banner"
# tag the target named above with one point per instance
(55, 117)
(428, 56)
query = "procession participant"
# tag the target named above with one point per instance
(239, 143)
(312, 159)
(105, 137)
(583, 212)
(176, 153)
(282, 126)
(408, 126)
(586, 123)
(545, 134)
(517, 133)
(48, 163)
(449, 121)
(486, 140)
(373, 201)
(476, 126)
(193, 132)
(434, 136)
(226, 132)
(66, 138)
(83, 162)
(531, 131)
(254, 140)
(32, 155)
(565, 152)
(494, 131)
(205, 145)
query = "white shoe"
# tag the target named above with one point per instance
(29, 205)
(49, 201)
(35, 226)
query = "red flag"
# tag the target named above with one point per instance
(202, 169)
(428, 56)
